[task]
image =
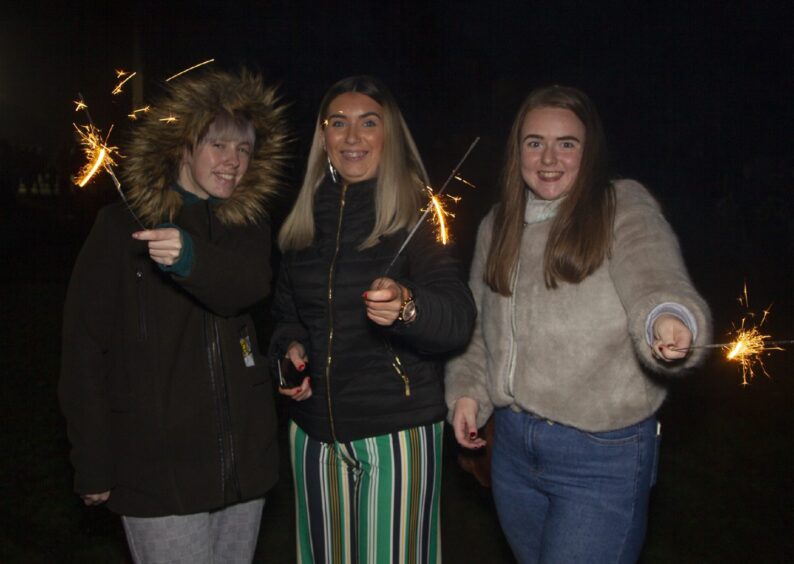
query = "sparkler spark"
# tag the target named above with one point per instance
(180, 73)
(749, 344)
(459, 178)
(117, 89)
(134, 114)
(98, 153)
(170, 119)
(79, 105)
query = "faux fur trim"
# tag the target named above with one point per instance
(157, 146)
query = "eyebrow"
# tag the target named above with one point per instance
(563, 138)
(345, 116)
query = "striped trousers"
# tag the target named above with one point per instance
(369, 501)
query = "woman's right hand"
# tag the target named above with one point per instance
(464, 423)
(296, 353)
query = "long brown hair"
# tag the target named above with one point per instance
(581, 232)
(401, 173)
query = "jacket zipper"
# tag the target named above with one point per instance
(329, 356)
(220, 394)
(141, 305)
(398, 367)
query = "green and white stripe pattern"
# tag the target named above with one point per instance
(368, 501)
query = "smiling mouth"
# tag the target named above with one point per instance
(549, 175)
(354, 155)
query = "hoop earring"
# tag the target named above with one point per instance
(332, 170)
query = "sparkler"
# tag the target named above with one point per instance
(749, 343)
(180, 73)
(99, 155)
(435, 205)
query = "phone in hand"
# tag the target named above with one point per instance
(288, 375)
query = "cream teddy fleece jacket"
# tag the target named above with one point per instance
(578, 354)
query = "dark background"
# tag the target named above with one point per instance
(697, 104)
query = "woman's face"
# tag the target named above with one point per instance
(353, 136)
(552, 140)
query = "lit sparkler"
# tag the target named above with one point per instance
(435, 205)
(180, 73)
(170, 119)
(119, 74)
(99, 156)
(749, 343)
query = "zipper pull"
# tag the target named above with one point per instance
(404, 377)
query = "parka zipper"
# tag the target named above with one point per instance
(220, 394)
(329, 356)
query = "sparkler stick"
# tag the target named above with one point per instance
(102, 157)
(431, 205)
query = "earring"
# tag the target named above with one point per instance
(332, 170)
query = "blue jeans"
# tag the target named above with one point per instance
(569, 496)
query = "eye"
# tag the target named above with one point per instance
(533, 144)
(337, 123)
(217, 144)
(370, 123)
(244, 149)
(568, 145)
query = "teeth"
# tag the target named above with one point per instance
(549, 175)
(353, 154)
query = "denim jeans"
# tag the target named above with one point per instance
(568, 496)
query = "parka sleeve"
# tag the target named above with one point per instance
(287, 324)
(445, 307)
(89, 314)
(647, 269)
(466, 374)
(230, 277)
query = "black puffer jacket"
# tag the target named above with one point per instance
(357, 391)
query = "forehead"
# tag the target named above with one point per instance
(553, 122)
(353, 104)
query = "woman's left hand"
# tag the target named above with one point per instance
(165, 244)
(384, 300)
(672, 338)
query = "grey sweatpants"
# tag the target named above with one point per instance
(227, 535)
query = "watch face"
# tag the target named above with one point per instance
(409, 311)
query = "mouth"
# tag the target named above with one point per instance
(225, 176)
(354, 155)
(549, 176)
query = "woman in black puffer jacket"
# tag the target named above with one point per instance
(367, 418)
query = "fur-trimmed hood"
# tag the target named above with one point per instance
(157, 145)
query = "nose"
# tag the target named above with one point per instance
(352, 134)
(549, 155)
(232, 157)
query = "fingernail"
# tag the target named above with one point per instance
(472, 435)
(364, 295)
(301, 367)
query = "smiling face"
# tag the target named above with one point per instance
(219, 161)
(552, 141)
(353, 136)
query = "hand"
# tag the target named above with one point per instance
(165, 244)
(296, 353)
(384, 300)
(95, 499)
(672, 338)
(464, 423)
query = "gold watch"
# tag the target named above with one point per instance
(408, 309)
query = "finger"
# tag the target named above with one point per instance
(155, 234)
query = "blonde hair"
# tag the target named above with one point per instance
(401, 174)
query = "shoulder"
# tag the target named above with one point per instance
(485, 230)
(630, 193)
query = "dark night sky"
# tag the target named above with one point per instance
(706, 84)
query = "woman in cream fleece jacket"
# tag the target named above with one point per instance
(584, 307)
